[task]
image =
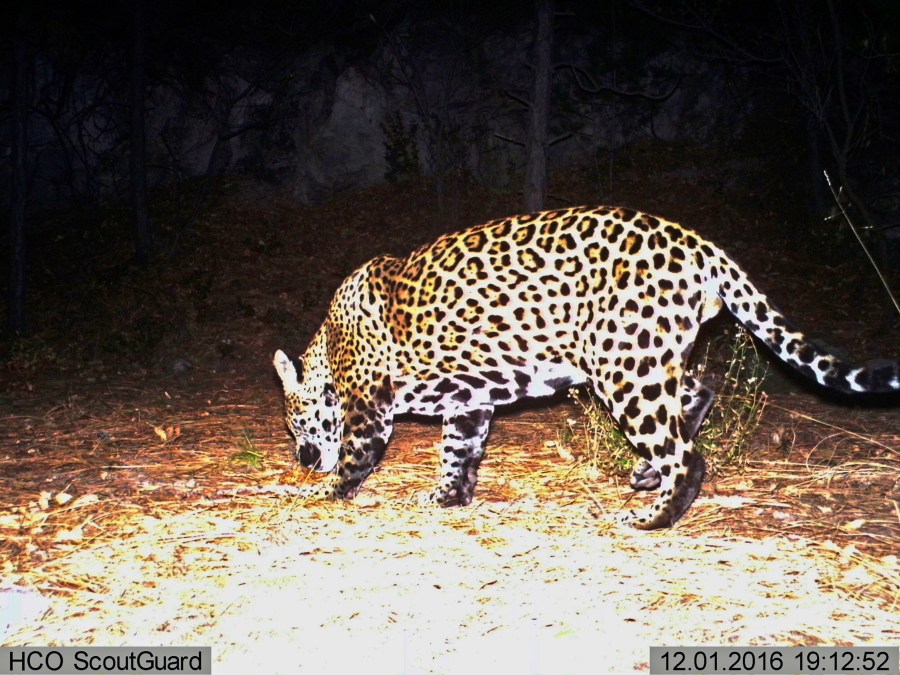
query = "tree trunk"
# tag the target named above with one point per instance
(18, 231)
(142, 230)
(536, 143)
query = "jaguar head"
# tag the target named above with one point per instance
(312, 409)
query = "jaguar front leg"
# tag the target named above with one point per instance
(463, 439)
(367, 430)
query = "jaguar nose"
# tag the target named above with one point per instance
(309, 456)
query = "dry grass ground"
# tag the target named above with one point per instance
(154, 547)
(126, 498)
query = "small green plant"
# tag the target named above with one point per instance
(725, 436)
(735, 416)
(247, 452)
(606, 447)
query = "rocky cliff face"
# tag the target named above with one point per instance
(425, 98)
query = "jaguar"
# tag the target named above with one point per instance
(606, 297)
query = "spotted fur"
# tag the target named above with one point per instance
(524, 307)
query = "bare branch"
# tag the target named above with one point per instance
(509, 140)
(591, 86)
(699, 22)
(518, 99)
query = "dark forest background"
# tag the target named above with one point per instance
(122, 105)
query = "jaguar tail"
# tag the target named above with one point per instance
(752, 308)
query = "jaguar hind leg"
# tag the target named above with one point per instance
(680, 481)
(697, 401)
(644, 476)
(462, 450)
(668, 460)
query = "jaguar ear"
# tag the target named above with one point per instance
(286, 371)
